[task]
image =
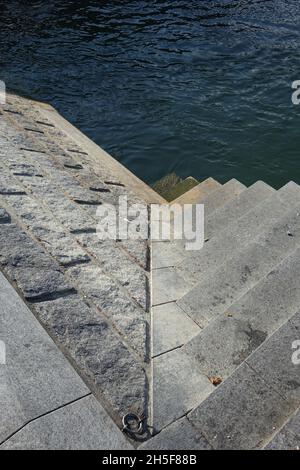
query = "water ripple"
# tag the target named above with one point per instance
(200, 88)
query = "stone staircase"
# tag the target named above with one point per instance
(196, 343)
(224, 319)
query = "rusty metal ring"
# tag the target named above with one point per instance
(126, 424)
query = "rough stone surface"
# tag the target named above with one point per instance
(99, 354)
(117, 263)
(83, 425)
(4, 217)
(49, 232)
(36, 377)
(128, 318)
(180, 435)
(35, 273)
(51, 188)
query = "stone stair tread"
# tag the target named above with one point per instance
(173, 399)
(180, 188)
(51, 183)
(229, 339)
(198, 193)
(221, 196)
(238, 207)
(260, 395)
(173, 253)
(243, 271)
(180, 435)
(288, 438)
(223, 318)
(197, 266)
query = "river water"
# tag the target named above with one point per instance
(202, 88)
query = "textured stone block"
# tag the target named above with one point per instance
(120, 265)
(97, 351)
(108, 296)
(35, 273)
(47, 230)
(4, 216)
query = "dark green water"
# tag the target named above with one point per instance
(202, 88)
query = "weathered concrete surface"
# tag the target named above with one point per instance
(83, 425)
(36, 377)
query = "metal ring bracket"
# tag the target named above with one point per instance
(132, 424)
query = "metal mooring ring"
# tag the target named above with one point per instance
(127, 427)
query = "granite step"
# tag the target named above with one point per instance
(193, 370)
(167, 284)
(243, 270)
(229, 339)
(238, 207)
(221, 195)
(260, 395)
(198, 266)
(198, 193)
(172, 254)
(288, 438)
